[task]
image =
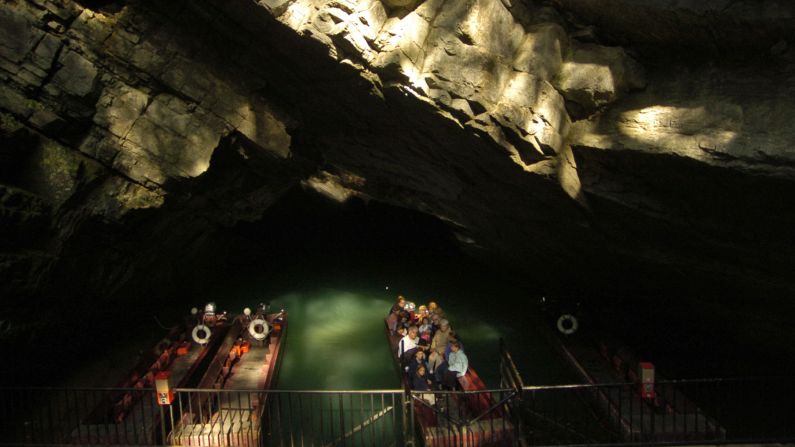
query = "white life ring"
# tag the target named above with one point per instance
(259, 334)
(570, 318)
(195, 334)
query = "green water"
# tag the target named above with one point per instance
(336, 338)
(337, 268)
(335, 341)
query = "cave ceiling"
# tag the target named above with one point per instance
(582, 146)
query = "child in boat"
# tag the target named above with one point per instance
(425, 326)
(417, 361)
(421, 381)
(425, 335)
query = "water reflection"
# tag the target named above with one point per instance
(335, 341)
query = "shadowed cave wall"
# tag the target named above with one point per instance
(641, 174)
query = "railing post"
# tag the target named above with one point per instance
(163, 438)
(342, 419)
(404, 416)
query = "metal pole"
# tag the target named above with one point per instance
(163, 438)
(342, 418)
(403, 415)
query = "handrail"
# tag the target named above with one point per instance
(276, 391)
(505, 355)
(660, 382)
(397, 390)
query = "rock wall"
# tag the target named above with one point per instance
(132, 129)
(101, 110)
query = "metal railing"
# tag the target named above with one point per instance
(683, 412)
(48, 416)
(465, 418)
(115, 416)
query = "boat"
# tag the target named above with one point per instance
(449, 421)
(246, 365)
(127, 415)
(664, 414)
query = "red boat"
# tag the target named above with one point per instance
(125, 417)
(457, 418)
(246, 362)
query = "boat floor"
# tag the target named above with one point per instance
(182, 364)
(236, 421)
(251, 371)
(628, 409)
(495, 431)
(137, 427)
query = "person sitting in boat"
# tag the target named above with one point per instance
(421, 381)
(411, 308)
(399, 305)
(422, 312)
(417, 360)
(457, 365)
(393, 320)
(438, 345)
(451, 338)
(408, 345)
(425, 325)
(404, 320)
(425, 335)
(434, 309)
(435, 323)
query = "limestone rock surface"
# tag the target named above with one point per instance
(562, 136)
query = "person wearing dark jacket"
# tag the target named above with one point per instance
(417, 361)
(421, 381)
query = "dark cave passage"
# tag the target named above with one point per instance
(599, 186)
(307, 248)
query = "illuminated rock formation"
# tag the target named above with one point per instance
(531, 135)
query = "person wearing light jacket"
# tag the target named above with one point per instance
(457, 365)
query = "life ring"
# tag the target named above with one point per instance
(201, 339)
(258, 329)
(572, 320)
